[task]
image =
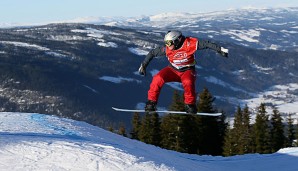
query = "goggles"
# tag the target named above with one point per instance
(169, 43)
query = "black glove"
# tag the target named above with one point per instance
(142, 70)
(224, 52)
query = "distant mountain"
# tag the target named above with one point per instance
(274, 29)
(82, 70)
(266, 28)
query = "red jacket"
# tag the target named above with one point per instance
(182, 58)
(185, 55)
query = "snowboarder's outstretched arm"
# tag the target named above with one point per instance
(159, 51)
(204, 44)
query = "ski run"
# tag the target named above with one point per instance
(37, 142)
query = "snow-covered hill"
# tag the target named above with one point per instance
(272, 28)
(66, 69)
(263, 28)
(30, 141)
(69, 68)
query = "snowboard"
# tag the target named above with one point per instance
(165, 111)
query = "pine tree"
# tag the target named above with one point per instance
(111, 129)
(155, 120)
(246, 132)
(150, 129)
(236, 133)
(190, 130)
(238, 139)
(277, 131)
(136, 124)
(290, 131)
(237, 130)
(228, 148)
(177, 102)
(205, 101)
(234, 140)
(122, 130)
(262, 131)
(172, 132)
(210, 140)
(178, 130)
(168, 128)
(145, 131)
(222, 127)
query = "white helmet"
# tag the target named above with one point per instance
(172, 37)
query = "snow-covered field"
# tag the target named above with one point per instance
(281, 96)
(31, 141)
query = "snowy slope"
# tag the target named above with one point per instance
(31, 141)
(271, 28)
(262, 28)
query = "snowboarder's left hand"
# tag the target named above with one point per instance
(224, 52)
(142, 70)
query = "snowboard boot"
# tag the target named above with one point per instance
(150, 106)
(191, 108)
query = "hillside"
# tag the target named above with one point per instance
(267, 28)
(30, 141)
(80, 70)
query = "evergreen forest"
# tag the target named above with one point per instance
(205, 135)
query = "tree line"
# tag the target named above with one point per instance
(265, 135)
(205, 135)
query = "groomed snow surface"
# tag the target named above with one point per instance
(35, 142)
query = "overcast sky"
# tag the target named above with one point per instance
(37, 11)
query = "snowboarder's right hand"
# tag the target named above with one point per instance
(142, 70)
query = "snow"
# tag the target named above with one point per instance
(238, 72)
(88, 87)
(138, 51)
(260, 68)
(273, 47)
(118, 79)
(66, 38)
(279, 96)
(108, 44)
(37, 47)
(31, 141)
(175, 85)
(246, 35)
(257, 28)
(99, 35)
(275, 95)
(104, 37)
(214, 80)
(27, 45)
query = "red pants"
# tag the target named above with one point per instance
(168, 74)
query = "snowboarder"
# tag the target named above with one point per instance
(180, 51)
